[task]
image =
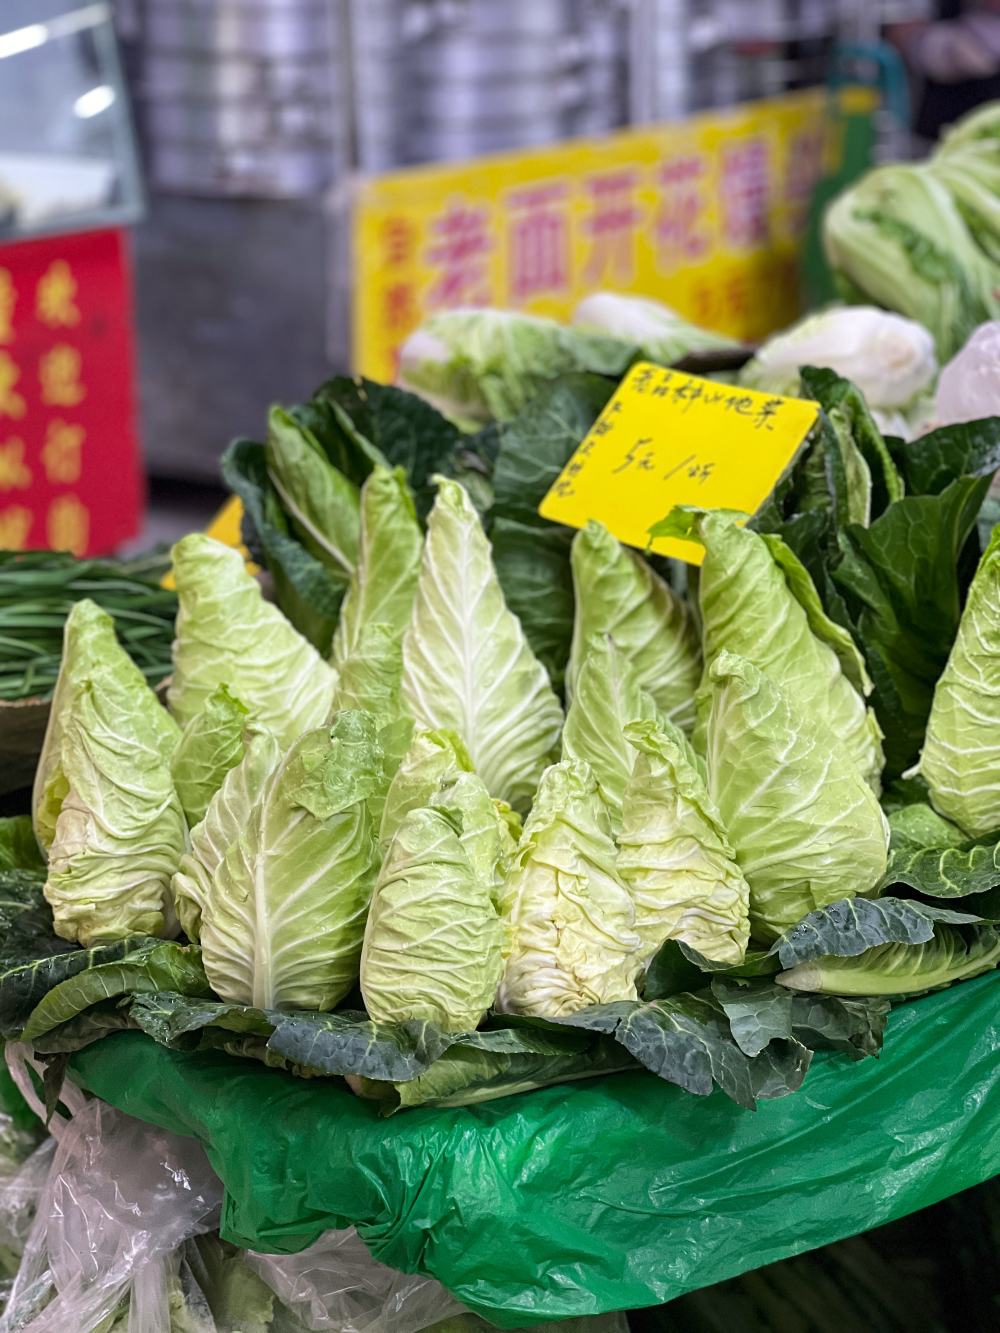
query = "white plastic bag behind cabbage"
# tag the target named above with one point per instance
(336, 1284)
(120, 1197)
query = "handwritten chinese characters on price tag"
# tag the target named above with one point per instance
(668, 438)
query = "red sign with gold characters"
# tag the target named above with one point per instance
(70, 475)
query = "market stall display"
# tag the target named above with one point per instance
(480, 806)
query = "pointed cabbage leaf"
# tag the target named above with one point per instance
(806, 828)
(750, 607)
(321, 502)
(283, 924)
(569, 919)
(466, 663)
(433, 943)
(961, 754)
(483, 830)
(227, 816)
(210, 745)
(433, 760)
(228, 635)
(384, 583)
(617, 593)
(119, 830)
(674, 856)
(606, 698)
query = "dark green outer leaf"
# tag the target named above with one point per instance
(946, 872)
(541, 439)
(757, 1009)
(18, 846)
(533, 567)
(26, 927)
(933, 462)
(671, 972)
(903, 792)
(154, 967)
(903, 586)
(306, 592)
(853, 925)
(854, 1027)
(24, 985)
(85, 1028)
(756, 963)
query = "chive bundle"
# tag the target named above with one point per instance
(37, 592)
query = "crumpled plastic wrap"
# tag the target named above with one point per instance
(587, 1197)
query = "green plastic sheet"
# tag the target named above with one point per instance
(587, 1197)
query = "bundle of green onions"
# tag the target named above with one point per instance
(37, 592)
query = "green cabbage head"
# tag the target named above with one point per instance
(961, 754)
(617, 593)
(105, 805)
(228, 814)
(434, 943)
(674, 856)
(284, 921)
(569, 918)
(227, 634)
(806, 828)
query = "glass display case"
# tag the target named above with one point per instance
(68, 158)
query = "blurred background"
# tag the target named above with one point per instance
(199, 173)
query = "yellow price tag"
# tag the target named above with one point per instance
(667, 438)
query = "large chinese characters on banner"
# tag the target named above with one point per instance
(706, 214)
(70, 477)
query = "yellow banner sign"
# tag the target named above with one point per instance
(667, 439)
(707, 214)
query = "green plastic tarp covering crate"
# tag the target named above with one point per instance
(586, 1197)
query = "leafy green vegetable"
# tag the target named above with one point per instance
(105, 804)
(476, 365)
(851, 1026)
(227, 816)
(661, 333)
(961, 753)
(948, 871)
(210, 745)
(283, 923)
(27, 930)
(903, 969)
(899, 237)
(228, 635)
(617, 593)
(18, 845)
(466, 663)
(433, 760)
(849, 927)
(902, 582)
(25, 983)
(532, 555)
(302, 584)
(758, 602)
(889, 358)
(484, 833)
(433, 943)
(860, 442)
(688, 1040)
(362, 424)
(917, 825)
(156, 966)
(607, 698)
(463, 1076)
(674, 855)
(930, 464)
(806, 827)
(569, 918)
(384, 582)
(38, 590)
(320, 501)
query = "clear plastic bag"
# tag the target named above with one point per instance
(336, 1284)
(120, 1198)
